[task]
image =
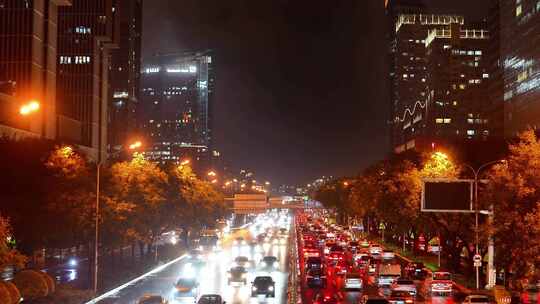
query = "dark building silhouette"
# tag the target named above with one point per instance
(28, 65)
(86, 33)
(520, 61)
(125, 74)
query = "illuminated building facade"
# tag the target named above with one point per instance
(86, 33)
(28, 70)
(457, 79)
(175, 107)
(125, 74)
(520, 57)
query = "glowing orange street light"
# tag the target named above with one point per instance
(227, 183)
(66, 151)
(345, 184)
(214, 181)
(185, 162)
(212, 173)
(29, 108)
(135, 145)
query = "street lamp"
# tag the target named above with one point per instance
(212, 173)
(29, 108)
(476, 213)
(132, 146)
(185, 162)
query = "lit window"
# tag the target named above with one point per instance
(478, 53)
(454, 103)
(470, 120)
(470, 52)
(470, 132)
(439, 120)
(485, 75)
(519, 10)
(423, 80)
(405, 75)
(447, 120)
(446, 46)
(462, 86)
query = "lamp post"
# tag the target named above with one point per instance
(476, 215)
(133, 146)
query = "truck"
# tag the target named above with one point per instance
(209, 240)
(388, 274)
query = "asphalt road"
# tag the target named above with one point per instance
(212, 278)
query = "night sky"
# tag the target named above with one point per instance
(301, 84)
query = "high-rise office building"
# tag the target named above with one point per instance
(125, 74)
(520, 59)
(175, 108)
(409, 72)
(457, 79)
(28, 66)
(86, 33)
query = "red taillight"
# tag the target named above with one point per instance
(408, 301)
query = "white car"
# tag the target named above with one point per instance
(388, 255)
(353, 281)
(405, 285)
(476, 299)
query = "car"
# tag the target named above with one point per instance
(211, 299)
(441, 283)
(341, 268)
(373, 300)
(402, 284)
(388, 274)
(353, 281)
(263, 285)
(416, 270)
(375, 250)
(186, 288)
(195, 254)
(353, 246)
(477, 299)
(326, 298)
(270, 262)
(242, 261)
(152, 299)
(388, 255)
(311, 252)
(400, 297)
(316, 278)
(314, 263)
(372, 267)
(237, 274)
(239, 241)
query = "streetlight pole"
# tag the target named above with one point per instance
(96, 240)
(476, 216)
(96, 244)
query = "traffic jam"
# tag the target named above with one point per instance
(339, 265)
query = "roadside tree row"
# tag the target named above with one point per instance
(389, 192)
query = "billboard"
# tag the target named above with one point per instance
(447, 195)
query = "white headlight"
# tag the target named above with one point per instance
(254, 288)
(271, 288)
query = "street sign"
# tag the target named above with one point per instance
(447, 195)
(477, 259)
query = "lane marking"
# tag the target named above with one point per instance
(121, 287)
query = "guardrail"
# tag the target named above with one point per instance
(294, 289)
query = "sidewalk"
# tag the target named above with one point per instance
(430, 262)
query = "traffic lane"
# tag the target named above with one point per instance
(336, 286)
(213, 278)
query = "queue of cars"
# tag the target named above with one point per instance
(331, 253)
(249, 267)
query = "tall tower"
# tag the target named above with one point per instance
(28, 66)
(86, 33)
(125, 74)
(176, 106)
